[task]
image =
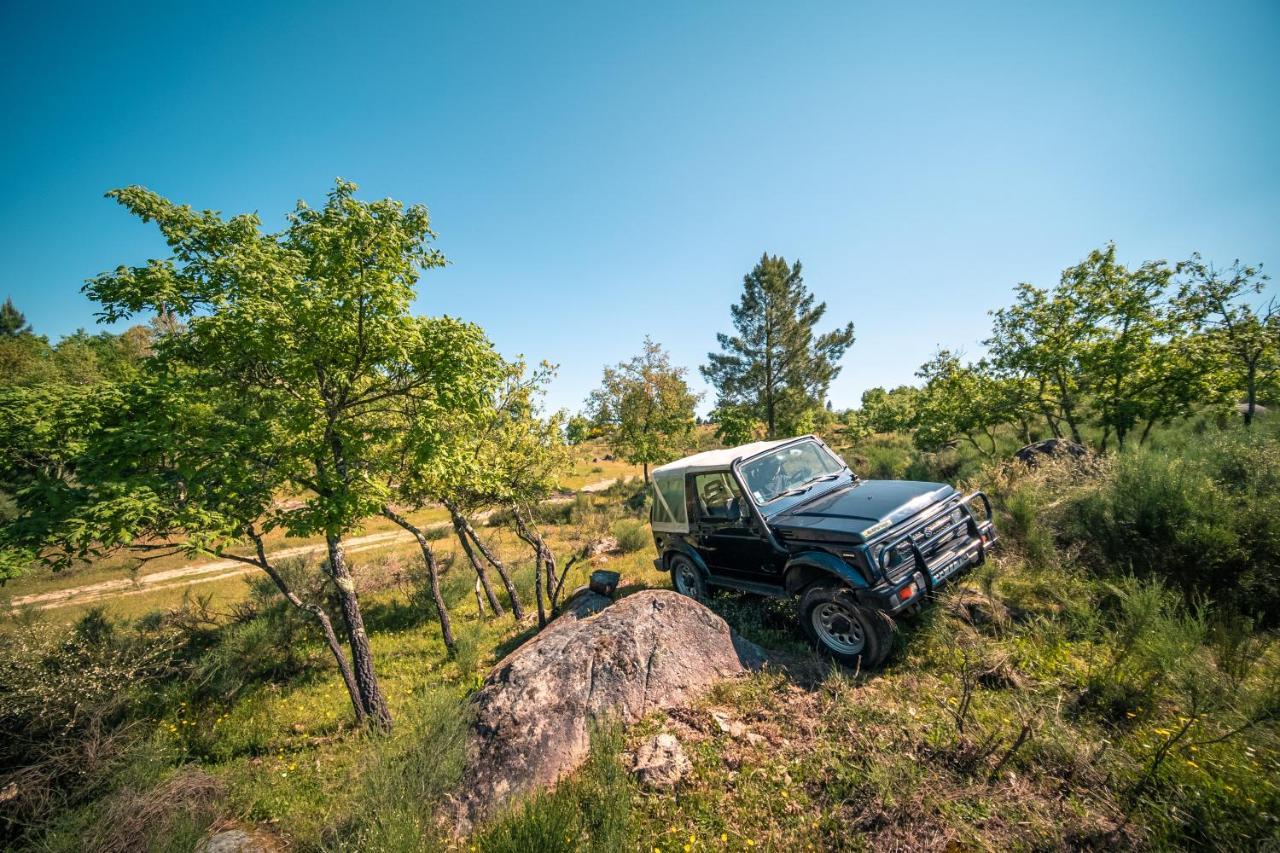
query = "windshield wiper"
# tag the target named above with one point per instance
(803, 487)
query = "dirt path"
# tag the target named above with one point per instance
(196, 573)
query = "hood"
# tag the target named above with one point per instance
(860, 510)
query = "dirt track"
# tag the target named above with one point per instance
(195, 573)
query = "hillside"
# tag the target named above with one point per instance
(1051, 699)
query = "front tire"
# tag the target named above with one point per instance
(856, 636)
(686, 579)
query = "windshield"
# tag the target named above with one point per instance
(789, 470)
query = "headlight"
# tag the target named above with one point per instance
(957, 515)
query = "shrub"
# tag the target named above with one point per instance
(632, 535)
(1203, 520)
(66, 702)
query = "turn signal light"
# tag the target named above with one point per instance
(906, 592)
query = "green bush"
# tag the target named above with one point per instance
(632, 535)
(66, 701)
(1203, 520)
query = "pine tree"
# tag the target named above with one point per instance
(776, 366)
(12, 322)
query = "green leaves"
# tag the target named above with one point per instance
(776, 365)
(645, 407)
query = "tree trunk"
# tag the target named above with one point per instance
(516, 608)
(646, 473)
(1251, 389)
(326, 625)
(433, 574)
(544, 568)
(375, 704)
(481, 574)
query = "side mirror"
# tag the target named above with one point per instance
(744, 512)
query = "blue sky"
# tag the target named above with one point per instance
(598, 171)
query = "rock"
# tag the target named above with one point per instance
(1258, 409)
(976, 609)
(232, 841)
(1051, 448)
(661, 762)
(600, 547)
(532, 720)
(728, 725)
(755, 739)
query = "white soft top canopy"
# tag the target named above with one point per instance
(719, 459)
(669, 514)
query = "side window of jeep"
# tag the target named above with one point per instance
(716, 497)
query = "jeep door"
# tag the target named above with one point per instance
(727, 542)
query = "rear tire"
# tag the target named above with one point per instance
(856, 636)
(686, 579)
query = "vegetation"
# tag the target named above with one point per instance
(776, 370)
(1101, 359)
(644, 408)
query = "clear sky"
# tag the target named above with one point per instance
(602, 171)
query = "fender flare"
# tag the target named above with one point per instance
(809, 566)
(685, 550)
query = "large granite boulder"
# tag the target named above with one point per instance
(533, 717)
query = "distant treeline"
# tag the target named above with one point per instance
(1101, 358)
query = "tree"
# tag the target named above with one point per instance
(775, 365)
(578, 429)
(889, 411)
(1104, 346)
(737, 424)
(959, 402)
(1245, 336)
(12, 321)
(645, 408)
(309, 330)
(1038, 343)
(153, 468)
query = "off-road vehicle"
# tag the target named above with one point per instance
(790, 519)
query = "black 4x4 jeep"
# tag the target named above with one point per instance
(789, 518)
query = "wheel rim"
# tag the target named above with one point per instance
(686, 579)
(838, 628)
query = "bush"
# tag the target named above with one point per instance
(632, 535)
(66, 701)
(1204, 520)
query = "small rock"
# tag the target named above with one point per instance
(603, 545)
(728, 725)
(661, 762)
(231, 841)
(755, 739)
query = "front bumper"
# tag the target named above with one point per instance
(927, 575)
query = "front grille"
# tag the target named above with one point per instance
(903, 559)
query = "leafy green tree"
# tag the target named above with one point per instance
(737, 424)
(310, 330)
(12, 321)
(1038, 343)
(484, 455)
(153, 468)
(776, 364)
(645, 408)
(1245, 337)
(578, 429)
(959, 402)
(26, 360)
(889, 411)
